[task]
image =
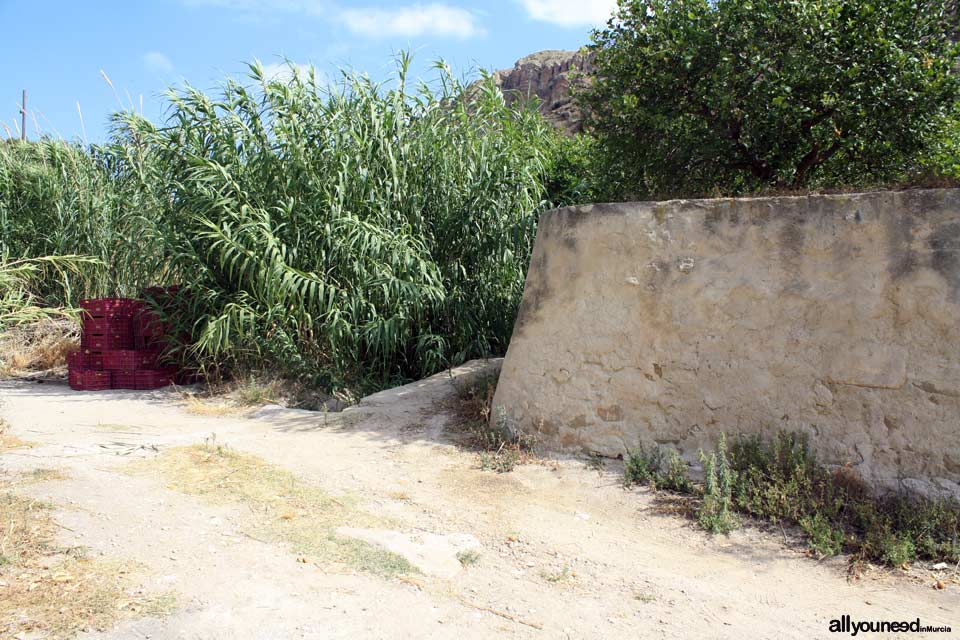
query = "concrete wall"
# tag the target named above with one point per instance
(671, 322)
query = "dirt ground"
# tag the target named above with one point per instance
(551, 550)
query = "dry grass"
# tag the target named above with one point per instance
(38, 346)
(56, 592)
(499, 449)
(8, 440)
(246, 392)
(46, 474)
(210, 408)
(284, 508)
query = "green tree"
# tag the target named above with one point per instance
(699, 96)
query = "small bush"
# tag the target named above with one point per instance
(642, 466)
(675, 478)
(468, 557)
(716, 512)
(501, 461)
(896, 550)
(658, 469)
(823, 538)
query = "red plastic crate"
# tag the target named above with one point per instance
(83, 360)
(153, 378)
(89, 379)
(106, 325)
(123, 379)
(121, 341)
(142, 378)
(105, 307)
(129, 360)
(108, 342)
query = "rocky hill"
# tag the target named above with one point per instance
(549, 76)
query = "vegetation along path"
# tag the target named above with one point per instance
(375, 522)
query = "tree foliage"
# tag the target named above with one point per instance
(697, 96)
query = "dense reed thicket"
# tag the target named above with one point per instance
(355, 234)
(61, 199)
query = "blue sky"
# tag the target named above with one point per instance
(61, 52)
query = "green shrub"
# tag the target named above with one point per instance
(642, 466)
(574, 175)
(675, 477)
(777, 481)
(716, 511)
(655, 468)
(781, 481)
(822, 537)
(895, 550)
(944, 157)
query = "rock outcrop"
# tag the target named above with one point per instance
(548, 75)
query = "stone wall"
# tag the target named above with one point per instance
(672, 322)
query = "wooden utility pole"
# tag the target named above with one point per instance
(23, 118)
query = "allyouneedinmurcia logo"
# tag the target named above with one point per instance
(845, 624)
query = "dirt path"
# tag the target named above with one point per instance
(565, 551)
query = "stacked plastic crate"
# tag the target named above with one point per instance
(120, 345)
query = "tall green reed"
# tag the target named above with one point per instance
(355, 234)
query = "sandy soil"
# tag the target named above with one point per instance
(565, 551)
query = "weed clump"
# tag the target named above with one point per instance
(781, 481)
(642, 466)
(716, 512)
(501, 448)
(468, 557)
(658, 469)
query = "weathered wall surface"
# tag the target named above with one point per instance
(671, 322)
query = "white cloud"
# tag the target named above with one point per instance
(414, 20)
(435, 18)
(571, 13)
(156, 62)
